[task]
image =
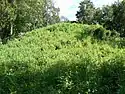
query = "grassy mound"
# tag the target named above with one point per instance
(63, 59)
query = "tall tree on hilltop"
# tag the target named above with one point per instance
(50, 13)
(86, 12)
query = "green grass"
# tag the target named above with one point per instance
(63, 59)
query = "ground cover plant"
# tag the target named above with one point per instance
(64, 58)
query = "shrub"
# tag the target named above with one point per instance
(54, 60)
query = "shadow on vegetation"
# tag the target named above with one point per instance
(76, 77)
(100, 34)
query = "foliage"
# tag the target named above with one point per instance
(64, 19)
(119, 17)
(26, 15)
(86, 13)
(7, 17)
(59, 59)
(111, 17)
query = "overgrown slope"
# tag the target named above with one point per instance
(63, 59)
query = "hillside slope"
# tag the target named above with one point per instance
(63, 59)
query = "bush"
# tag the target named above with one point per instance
(54, 60)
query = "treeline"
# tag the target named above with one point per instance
(112, 17)
(17, 16)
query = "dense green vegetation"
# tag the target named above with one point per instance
(111, 16)
(17, 16)
(86, 56)
(64, 58)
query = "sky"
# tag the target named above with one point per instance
(69, 8)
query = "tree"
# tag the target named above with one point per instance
(111, 17)
(7, 17)
(63, 18)
(107, 17)
(50, 13)
(119, 17)
(86, 13)
(25, 15)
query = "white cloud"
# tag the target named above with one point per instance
(68, 8)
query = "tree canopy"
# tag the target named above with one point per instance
(25, 15)
(111, 17)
